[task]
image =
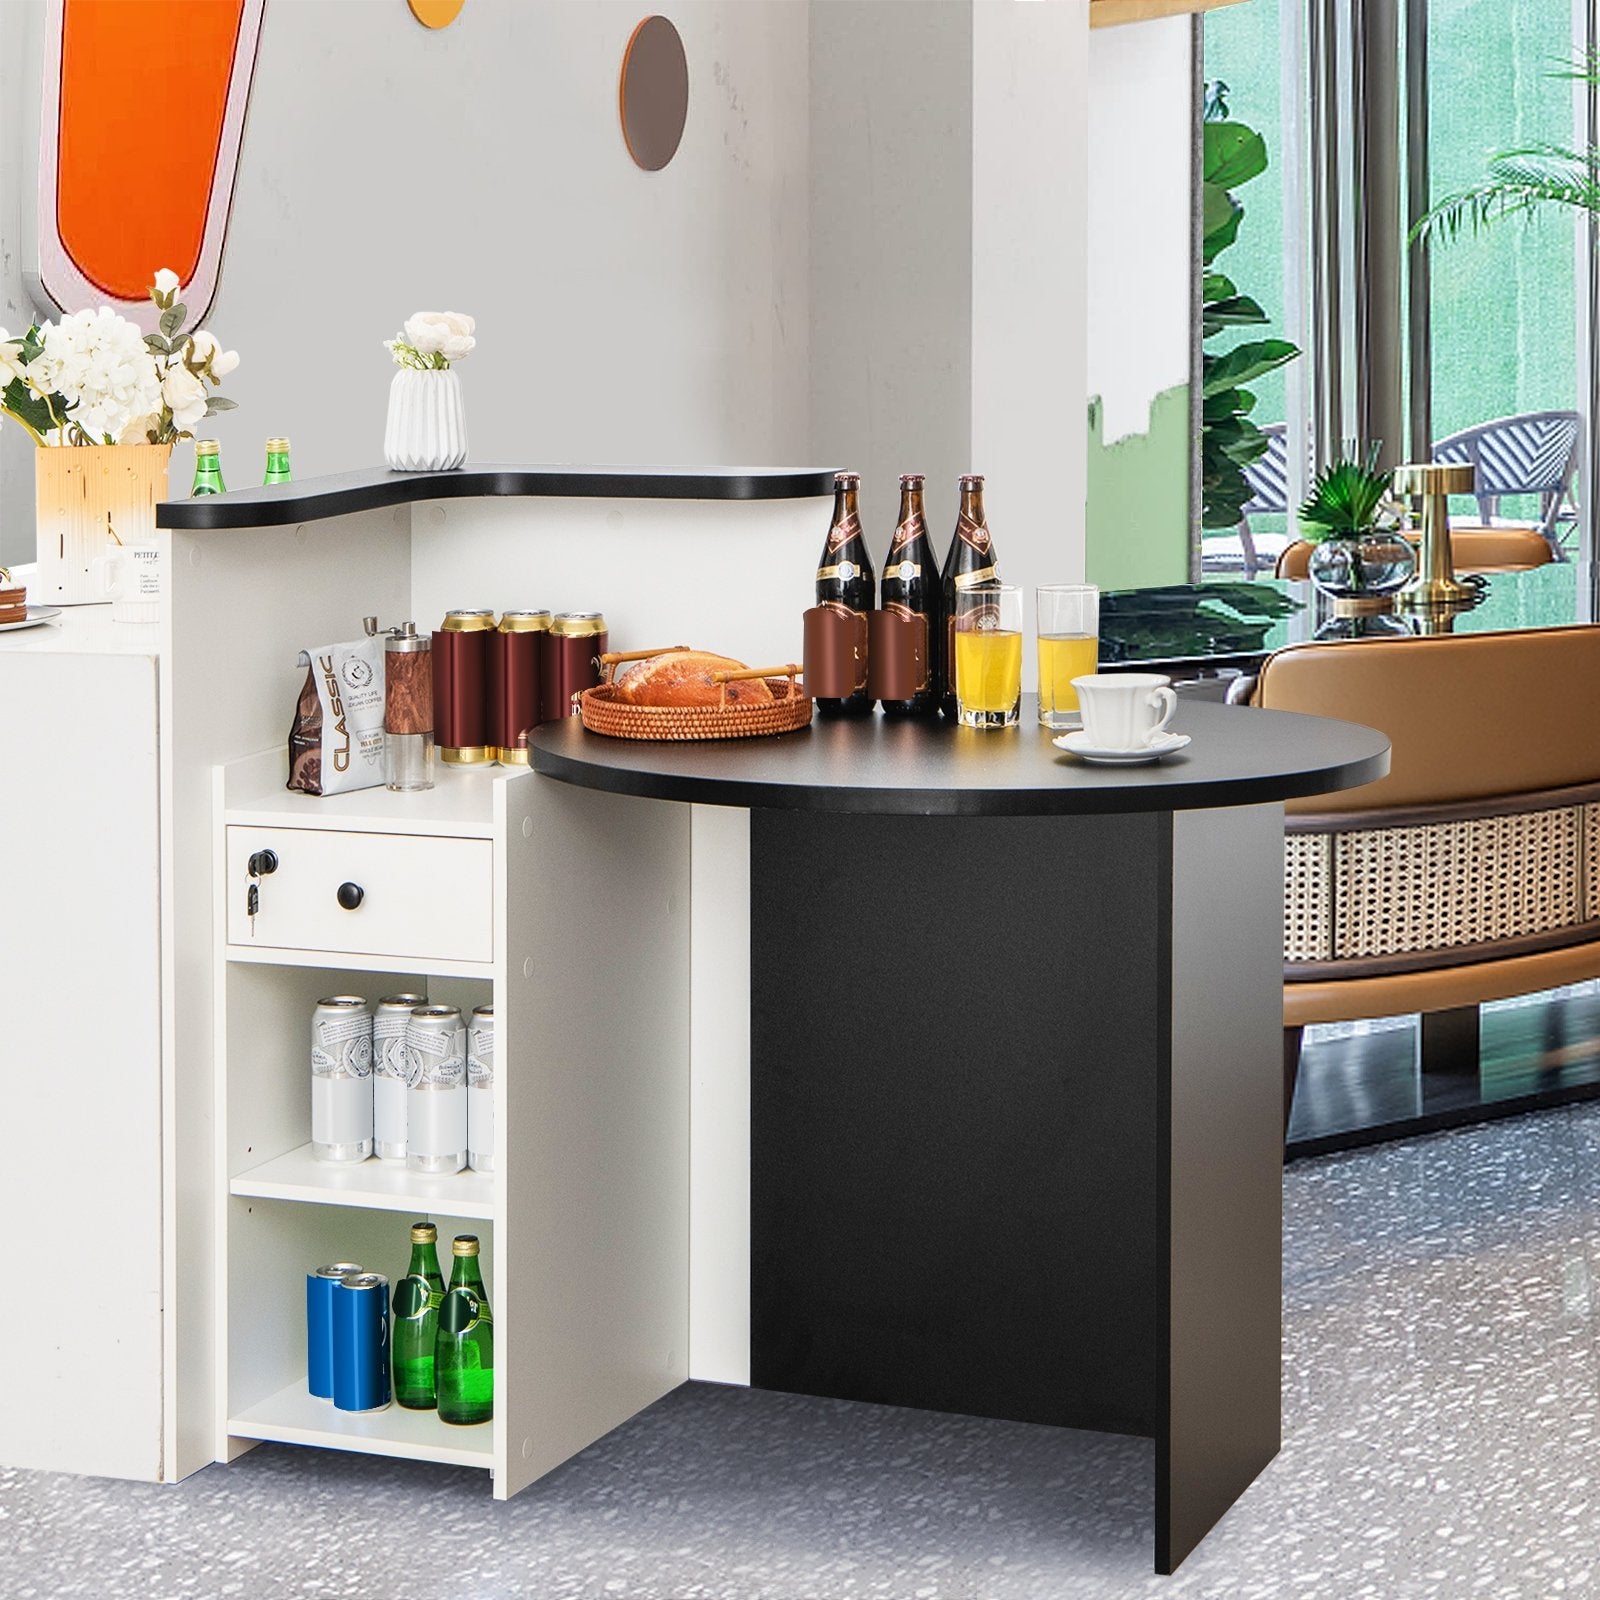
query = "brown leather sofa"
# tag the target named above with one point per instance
(1472, 871)
(1474, 550)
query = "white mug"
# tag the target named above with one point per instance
(129, 576)
(1124, 710)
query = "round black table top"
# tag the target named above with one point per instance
(1238, 756)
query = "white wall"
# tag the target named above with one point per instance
(1141, 107)
(623, 315)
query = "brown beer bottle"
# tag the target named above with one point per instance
(845, 582)
(911, 587)
(970, 564)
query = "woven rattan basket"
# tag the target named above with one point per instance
(789, 708)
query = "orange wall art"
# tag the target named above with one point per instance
(142, 116)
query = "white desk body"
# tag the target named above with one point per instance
(83, 947)
(730, 575)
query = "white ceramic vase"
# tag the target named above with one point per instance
(427, 429)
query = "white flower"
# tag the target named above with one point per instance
(443, 333)
(166, 281)
(139, 430)
(10, 357)
(203, 348)
(100, 364)
(185, 394)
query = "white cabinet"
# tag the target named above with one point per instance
(81, 950)
(583, 1220)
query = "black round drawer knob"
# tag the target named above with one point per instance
(351, 895)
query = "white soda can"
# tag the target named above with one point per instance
(436, 1093)
(389, 1073)
(480, 1090)
(341, 1079)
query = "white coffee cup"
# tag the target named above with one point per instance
(129, 576)
(1124, 710)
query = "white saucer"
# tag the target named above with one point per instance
(36, 615)
(1162, 745)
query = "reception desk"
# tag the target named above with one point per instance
(1014, 1083)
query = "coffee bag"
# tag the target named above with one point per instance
(336, 743)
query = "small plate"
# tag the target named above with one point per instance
(1163, 745)
(36, 615)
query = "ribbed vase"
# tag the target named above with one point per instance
(427, 428)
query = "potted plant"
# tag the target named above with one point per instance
(1354, 524)
(105, 404)
(427, 426)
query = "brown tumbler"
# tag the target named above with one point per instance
(571, 660)
(514, 673)
(461, 688)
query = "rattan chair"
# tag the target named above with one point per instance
(1533, 453)
(1472, 871)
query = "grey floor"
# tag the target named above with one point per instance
(1442, 1382)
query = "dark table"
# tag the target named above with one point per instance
(1015, 1065)
(1198, 629)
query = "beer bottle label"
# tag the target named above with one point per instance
(973, 533)
(976, 580)
(411, 1298)
(904, 533)
(842, 532)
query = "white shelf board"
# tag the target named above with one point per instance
(293, 1416)
(346, 961)
(373, 1184)
(460, 805)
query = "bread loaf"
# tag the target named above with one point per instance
(684, 678)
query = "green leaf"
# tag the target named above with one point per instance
(1216, 286)
(1235, 312)
(154, 341)
(21, 400)
(1216, 240)
(216, 403)
(1231, 153)
(172, 318)
(1244, 362)
(1217, 209)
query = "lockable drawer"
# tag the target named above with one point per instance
(380, 894)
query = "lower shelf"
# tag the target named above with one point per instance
(380, 1185)
(294, 1416)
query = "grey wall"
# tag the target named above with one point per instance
(622, 315)
(891, 249)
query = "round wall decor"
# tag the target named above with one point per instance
(436, 13)
(653, 95)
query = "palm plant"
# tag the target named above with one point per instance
(1348, 499)
(1524, 180)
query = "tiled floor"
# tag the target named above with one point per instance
(1442, 1385)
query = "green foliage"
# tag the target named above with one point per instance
(1231, 154)
(1346, 499)
(1522, 181)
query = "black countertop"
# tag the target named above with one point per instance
(313, 498)
(1239, 756)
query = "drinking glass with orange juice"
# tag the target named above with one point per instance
(1069, 647)
(988, 631)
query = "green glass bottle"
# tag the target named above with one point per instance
(207, 469)
(416, 1320)
(277, 461)
(463, 1361)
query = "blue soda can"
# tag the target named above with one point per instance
(361, 1342)
(319, 1325)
